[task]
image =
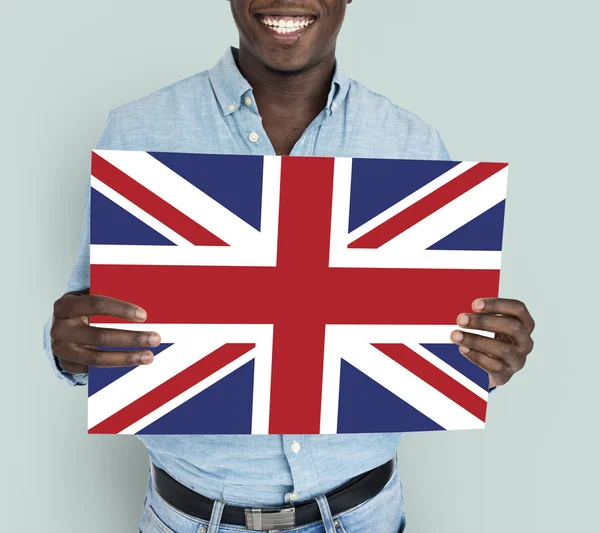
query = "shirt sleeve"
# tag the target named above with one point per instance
(438, 149)
(80, 275)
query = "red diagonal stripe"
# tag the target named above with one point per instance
(426, 206)
(171, 388)
(435, 377)
(152, 204)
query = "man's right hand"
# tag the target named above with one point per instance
(78, 345)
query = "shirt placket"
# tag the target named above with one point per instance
(250, 127)
(295, 447)
(302, 466)
(255, 137)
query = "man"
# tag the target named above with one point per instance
(280, 93)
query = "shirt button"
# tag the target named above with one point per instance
(248, 101)
(231, 107)
(294, 496)
(253, 137)
(295, 447)
(334, 106)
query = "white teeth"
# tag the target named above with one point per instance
(287, 25)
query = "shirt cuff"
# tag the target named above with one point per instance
(71, 379)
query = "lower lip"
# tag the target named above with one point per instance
(291, 36)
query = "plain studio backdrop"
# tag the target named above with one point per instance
(502, 81)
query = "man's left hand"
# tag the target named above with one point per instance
(506, 353)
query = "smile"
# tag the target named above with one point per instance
(286, 24)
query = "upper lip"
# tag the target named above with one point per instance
(283, 13)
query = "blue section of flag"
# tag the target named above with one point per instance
(482, 233)
(100, 377)
(378, 184)
(365, 406)
(450, 354)
(111, 224)
(222, 408)
(233, 181)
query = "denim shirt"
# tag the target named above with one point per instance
(215, 112)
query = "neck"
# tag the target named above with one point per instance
(302, 93)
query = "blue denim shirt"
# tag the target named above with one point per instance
(215, 112)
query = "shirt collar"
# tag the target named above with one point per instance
(228, 83)
(339, 89)
(230, 86)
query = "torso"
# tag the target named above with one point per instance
(192, 116)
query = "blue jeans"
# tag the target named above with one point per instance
(383, 513)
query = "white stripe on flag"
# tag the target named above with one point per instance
(413, 390)
(451, 216)
(392, 258)
(330, 391)
(269, 223)
(261, 393)
(354, 344)
(191, 343)
(115, 254)
(408, 201)
(182, 195)
(403, 333)
(447, 369)
(188, 394)
(130, 207)
(389, 256)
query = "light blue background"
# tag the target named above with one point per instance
(511, 80)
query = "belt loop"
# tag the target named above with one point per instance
(325, 514)
(215, 516)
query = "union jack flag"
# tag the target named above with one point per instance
(293, 294)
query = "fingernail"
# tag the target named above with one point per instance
(478, 305)
(147, 358)
(463, 320)
(464, 349)
(140, 314)
(154, 339)
(456, 336)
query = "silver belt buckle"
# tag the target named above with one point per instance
(266, 519)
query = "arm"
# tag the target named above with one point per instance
(70, 343)
(78, 281)
(506, 354)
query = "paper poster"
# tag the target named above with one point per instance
(293, 295)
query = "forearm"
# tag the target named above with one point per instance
(78, 280)
(71, 379)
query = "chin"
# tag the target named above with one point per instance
(287, 69)
(287, 61)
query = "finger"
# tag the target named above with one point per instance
(503, 351)
(84, 355)
(506, 325)
(506, 306)
(489, 364)
(70, 306)
(84, 334)
(73, 368)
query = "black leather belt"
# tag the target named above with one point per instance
(352, 493)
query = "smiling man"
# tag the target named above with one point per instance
(281, 93)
